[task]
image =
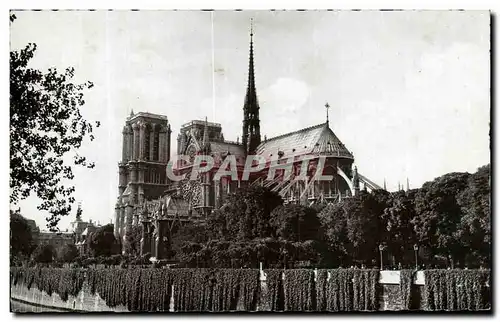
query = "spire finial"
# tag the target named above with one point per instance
(385, 187)
(251, 27)
(327, 106)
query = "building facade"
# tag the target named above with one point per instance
(161, 207)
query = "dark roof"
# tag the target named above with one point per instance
(221, 147)
(316, 140)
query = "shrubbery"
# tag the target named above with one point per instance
(221, 290)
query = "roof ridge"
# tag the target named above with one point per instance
(295, 132)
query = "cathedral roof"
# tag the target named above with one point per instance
(316, 140)
(227, 146)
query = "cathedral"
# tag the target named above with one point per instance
(148, 198)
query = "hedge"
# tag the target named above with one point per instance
(457, 290)
(223, 290)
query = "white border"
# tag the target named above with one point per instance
(185, 5)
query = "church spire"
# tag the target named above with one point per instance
(251, 123)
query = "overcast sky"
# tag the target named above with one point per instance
(409, 91)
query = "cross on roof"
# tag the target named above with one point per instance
(327, 106)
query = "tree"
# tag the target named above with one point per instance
(132, 244)
(438, 215)
(21, 238)
(399, 234)
(102, 242)
(474, 229)
(46, 126)
(189, 233)
(68, 253)
(295, 223)
(363, 225)
(333, 221)
(44, 254)
(246, 215)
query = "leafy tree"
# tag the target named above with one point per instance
(21, 238)
(363, 225)
(397, 217)
(46, 126)
(132, 244)
(295, 223)
(474, 229)
(189, 233)
(44, 254)
(102, 242)
(68, 253)
(334, 226)
(246, 215)
(439, 215)
(188, 254)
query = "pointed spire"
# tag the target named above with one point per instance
(385, 187)
(407, 184)
(131, 112)
(251, 123)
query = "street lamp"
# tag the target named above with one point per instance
(415, 248)
(381, 248)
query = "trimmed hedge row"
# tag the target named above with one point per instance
(457, 290)
(220, 290)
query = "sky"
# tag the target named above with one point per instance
(409, 90)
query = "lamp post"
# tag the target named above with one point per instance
(415, 248)
(381, 248)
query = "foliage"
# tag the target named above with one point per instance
(46, 127)
(43, 254)
(397, 219)
(64, 282)
(274, 300)
(21, 238)
(132, 244)
(456, 290)
(102, 242)
(334, 226)
(222, 290)
(405, 287)
(352, 290)
(67, 253)
(215, 290)
(189, 233)
(474, 229)
(246, 215)
(438, 213)
(295, 222)
(299, 290)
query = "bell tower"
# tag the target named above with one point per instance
(142, 170)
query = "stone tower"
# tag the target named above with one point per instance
(251, 123)
(142, 170)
